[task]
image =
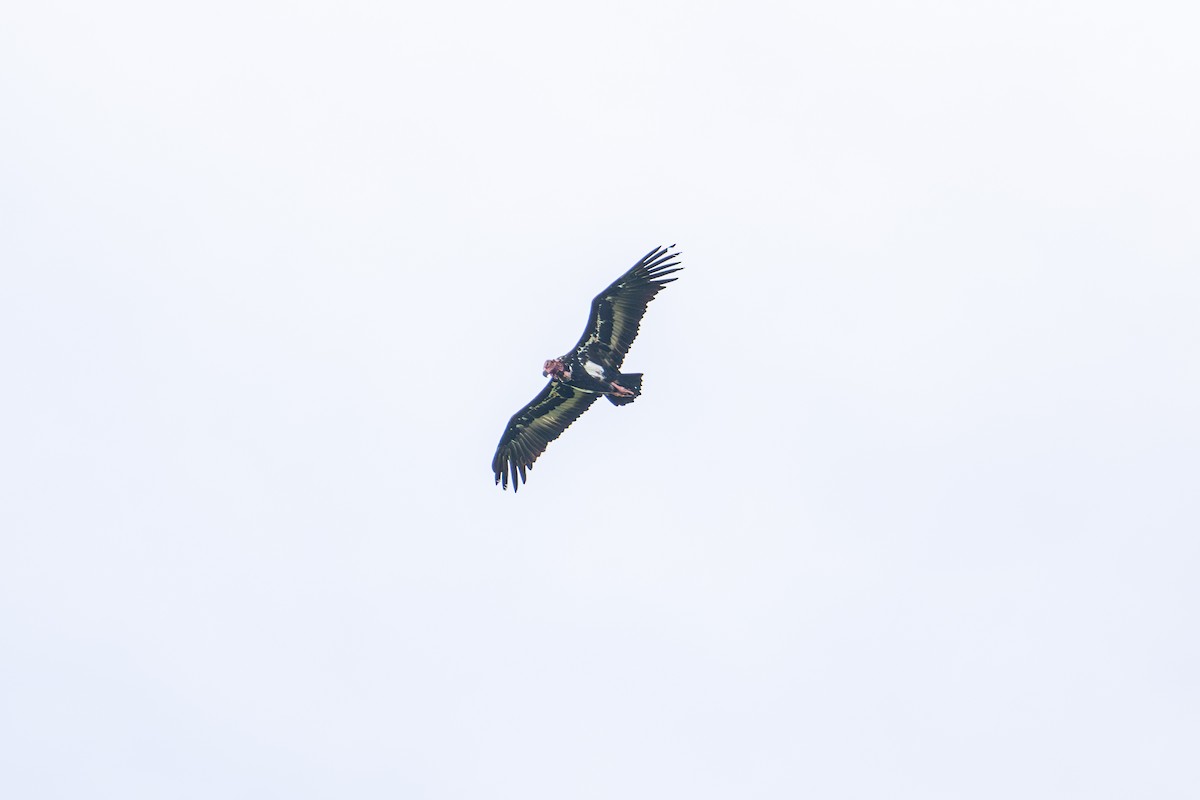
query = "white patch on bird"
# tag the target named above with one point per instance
(593, 369)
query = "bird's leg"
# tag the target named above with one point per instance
(619, 390)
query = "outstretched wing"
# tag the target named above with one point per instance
(535, 426)
(618, 310)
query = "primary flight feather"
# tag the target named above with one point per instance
(591, 368)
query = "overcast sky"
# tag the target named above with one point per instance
(908, 508)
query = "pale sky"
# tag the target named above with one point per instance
(908, 508)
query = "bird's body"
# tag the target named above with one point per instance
(594, 370)
(589, 370)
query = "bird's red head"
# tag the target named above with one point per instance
(554, 368)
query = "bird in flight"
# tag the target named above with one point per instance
(591, 368)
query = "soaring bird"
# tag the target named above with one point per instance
(591, 369)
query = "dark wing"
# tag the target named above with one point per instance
(535, 426)
(618, 310)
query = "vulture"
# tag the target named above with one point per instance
(591, 369)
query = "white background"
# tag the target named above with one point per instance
(908, 508)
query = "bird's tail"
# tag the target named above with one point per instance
(631, 381)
